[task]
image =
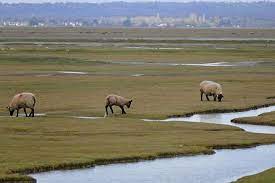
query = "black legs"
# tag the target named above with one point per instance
(111, 109)
(31, 113)
(214, 97)
(205, 95)
(25, 112)
(106, 109)
(121, 107)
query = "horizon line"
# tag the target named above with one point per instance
(142, 1)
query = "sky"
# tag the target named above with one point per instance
(102, 1)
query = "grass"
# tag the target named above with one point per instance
(264, 119)
(133, 33)
(45, 143)
(59, 141)
(263, 177)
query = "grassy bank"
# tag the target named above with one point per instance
(263, 177)
(264, 119)
(59, 141)
(47, 143)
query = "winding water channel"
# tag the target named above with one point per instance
(223, 166)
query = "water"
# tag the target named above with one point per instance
(223, 166)
(86, 117)
(225, 118)
(209, 64)
(72, 72)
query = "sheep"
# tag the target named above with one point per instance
(22, 100)
(117, 101)
(211, 88)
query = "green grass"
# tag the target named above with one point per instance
(186, 55)
(45, 143)
(263, 177)
(133, 33)
(58, 141)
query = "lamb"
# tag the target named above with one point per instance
(117, 101)
(22, 100)
(211, 88)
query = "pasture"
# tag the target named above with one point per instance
(71, 73)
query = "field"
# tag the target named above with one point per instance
(71, 73)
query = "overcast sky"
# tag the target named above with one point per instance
(101, 1)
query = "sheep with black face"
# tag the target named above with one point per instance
(116, 100)
(22, 100)
(211, 88)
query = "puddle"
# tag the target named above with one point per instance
(153, 48)
(44, 75)
(209, 64)
(137, 75)
(72, 72)
(214, 64)
(86, 117)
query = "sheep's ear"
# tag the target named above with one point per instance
(131, 101)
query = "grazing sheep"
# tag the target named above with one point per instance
(211, 88)
(22, 100)
(117, 101)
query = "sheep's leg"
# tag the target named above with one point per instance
(122, 109)
(215, 97)
(106, 109)
(17, 112)
(207, 97)
(25, 112)
(111, 109)
(31, 113)
(201, 96)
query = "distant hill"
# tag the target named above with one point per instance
(258, 10)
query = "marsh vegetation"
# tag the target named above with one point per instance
(57, 141)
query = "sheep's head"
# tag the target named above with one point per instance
(10, 110)
(220, 96)
(129, 103)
